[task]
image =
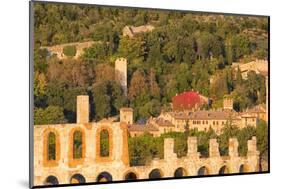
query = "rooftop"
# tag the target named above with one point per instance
(142, 128)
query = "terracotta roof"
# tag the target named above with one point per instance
(180, 115)
(163, 122)
(217, 114)
(142, 128)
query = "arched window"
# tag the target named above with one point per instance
(51, 180)
(180, 172)
(203, 171)
(223, 170)
(51, 148)
(155, 174)
(77, 179)
(104, 143)
(130, 176)
(77, 145)
(104, 177)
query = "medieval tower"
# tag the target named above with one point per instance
(228, 104)
(126, 115)
(121, 73)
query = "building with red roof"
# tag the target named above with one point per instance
(188, 101)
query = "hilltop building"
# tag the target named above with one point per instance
(121, 73)
(258, 66)
(131, 31)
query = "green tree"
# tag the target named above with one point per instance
(69, 51)
(49, 115)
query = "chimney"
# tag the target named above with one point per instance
(82, 109)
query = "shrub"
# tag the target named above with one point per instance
(69, 51)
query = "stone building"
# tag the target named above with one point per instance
(126, 115)
(136, 130)
(203, 120)
(121, 73)
(258, 66)
(131, 31)
(60, 158)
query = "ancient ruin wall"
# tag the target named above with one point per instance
(91, 165)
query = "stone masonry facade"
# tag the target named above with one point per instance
(92, 167)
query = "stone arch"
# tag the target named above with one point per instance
(77, 146)
(203, 171)
(155, 174)
(244, 168)
(51, 147)
(224, 170)
(77, 179)
(99, 157)
(104, 177)
(131, 175)
(180, 172)
(51, 180)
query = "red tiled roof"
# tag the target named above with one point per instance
(187, 100)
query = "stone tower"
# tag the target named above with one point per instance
(82, 109)
(121, 73)
(126, 115)
(228, 104)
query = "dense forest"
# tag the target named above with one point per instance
(180, 54)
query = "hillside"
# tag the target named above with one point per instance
(181, 53)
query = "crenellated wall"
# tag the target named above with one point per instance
(117, 164)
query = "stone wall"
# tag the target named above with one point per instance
(117, 165)
(58, 49)
(92, 166)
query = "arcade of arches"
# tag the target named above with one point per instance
(79, 157)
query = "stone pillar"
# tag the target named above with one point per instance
(253, 155)
(192, 147)
(233, 147)
(252, 147)
(214, 148)
(125, 145)
(169, 149)
(82, 109)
